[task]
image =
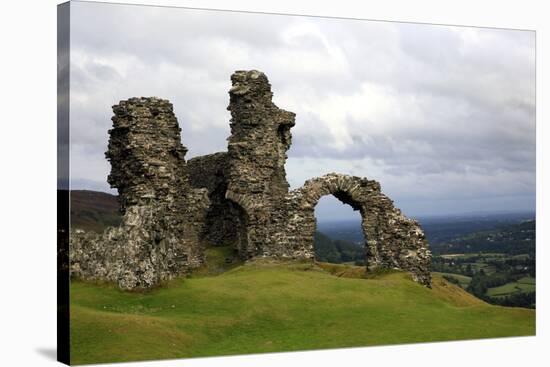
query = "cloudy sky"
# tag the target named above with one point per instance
(443, 117)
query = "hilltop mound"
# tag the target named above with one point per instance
(267, 306)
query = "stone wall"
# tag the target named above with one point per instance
(163, 216)
(173, 209)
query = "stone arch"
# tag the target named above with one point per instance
(391, 239)
(245, 212)
(241, 221)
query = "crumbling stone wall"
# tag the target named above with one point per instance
(224, 221)
(163, 216)
(173, 209)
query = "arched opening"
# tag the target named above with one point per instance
(238, 227)
(339, 236)
(226, 223)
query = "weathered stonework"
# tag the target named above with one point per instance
(163, 215)
(173, 209)
(392, 240)
(223, 222)
(256, 178)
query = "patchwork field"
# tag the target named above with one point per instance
(525, 284)
(267, 307)
(494, 277)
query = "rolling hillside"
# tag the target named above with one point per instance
(227, 307)
(270, 307)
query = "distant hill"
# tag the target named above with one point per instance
(513, 239)
(447, 229)
(337, 251)
(504, 233)
(94, 210)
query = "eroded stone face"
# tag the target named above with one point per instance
(145, 152)
(173, 209)
(163, 216)
(256, 178)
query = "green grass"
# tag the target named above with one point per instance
(218, 260)
(527, 280)
(270, 307)
(525, 284)
(463, 280)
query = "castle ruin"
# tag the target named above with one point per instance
(173, 209)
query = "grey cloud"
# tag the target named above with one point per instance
(460, 102)
(160, 35)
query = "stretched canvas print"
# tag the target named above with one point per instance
(234, 183)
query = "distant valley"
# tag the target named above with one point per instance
(491, 256)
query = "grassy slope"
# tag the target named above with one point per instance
(462, 279)
(265, 308)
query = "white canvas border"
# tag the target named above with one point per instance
(28, 154)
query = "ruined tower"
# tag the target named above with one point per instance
(162, 215)
(260, 138)
(146, 154)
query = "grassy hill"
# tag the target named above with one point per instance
(227, 307)
(269, 307)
